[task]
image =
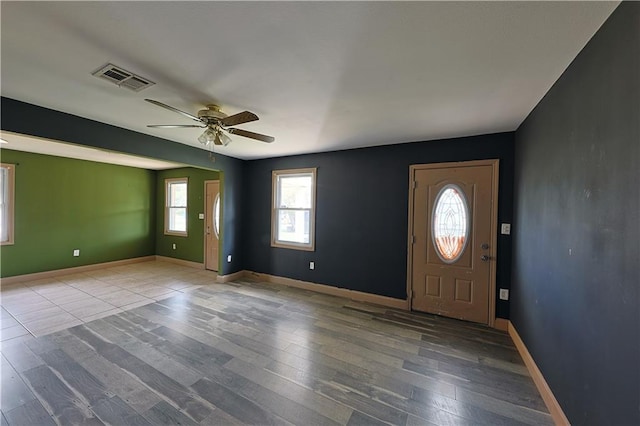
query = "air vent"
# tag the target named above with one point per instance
(123, 78)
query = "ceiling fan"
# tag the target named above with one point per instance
(215, 123)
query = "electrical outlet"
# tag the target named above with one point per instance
(506, 229)
(312, 265)
(173, 246)
(229, 259)
(504, 294)
(76, 252)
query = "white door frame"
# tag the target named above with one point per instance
(204, 248)
(494, 227)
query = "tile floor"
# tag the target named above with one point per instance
(255, 353)
(35, 308)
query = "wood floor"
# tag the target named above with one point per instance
(253, 353)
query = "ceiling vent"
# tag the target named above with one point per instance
(123, 78)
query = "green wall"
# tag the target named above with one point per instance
(190, 247)
(17, 117)
(62, 204)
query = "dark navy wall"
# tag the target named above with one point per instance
(362, 213)
(28, 119)
(575, 292)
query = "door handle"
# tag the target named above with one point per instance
(485, 258)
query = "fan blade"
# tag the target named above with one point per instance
(252, 135)
(170, 108)
(239, 118)
(174, 126)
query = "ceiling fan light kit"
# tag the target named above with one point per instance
(213, 136)
(207, 137)
(215, 123)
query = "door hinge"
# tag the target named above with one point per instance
(413, 239)
(413, 184)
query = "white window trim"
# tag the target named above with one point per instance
(167, 182)
(311, 246)
(11, 177)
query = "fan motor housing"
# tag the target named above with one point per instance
(212, 114)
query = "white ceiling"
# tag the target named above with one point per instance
(320, 75)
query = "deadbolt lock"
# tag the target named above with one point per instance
(484, 246)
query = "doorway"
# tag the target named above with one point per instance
(212, 225)
(452, 239)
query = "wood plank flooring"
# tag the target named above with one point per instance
(254, 353)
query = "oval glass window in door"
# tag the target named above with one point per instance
(450, 223)
(216, 215)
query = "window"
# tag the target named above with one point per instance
(293, 214)
(175, 215)
(7, 177)
(216, 215)
(450, 224)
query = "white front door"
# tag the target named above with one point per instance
(453, 252)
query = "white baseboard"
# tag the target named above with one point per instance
(73, 270)
(550, 400)
(231, 277)
(182, 262)
(501, 324)
(334, 291)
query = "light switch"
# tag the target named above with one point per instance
(504, 294)
(200, 215)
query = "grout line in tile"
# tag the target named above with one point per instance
(175, 281)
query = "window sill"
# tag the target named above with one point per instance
(293, 246)
(176, 234)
